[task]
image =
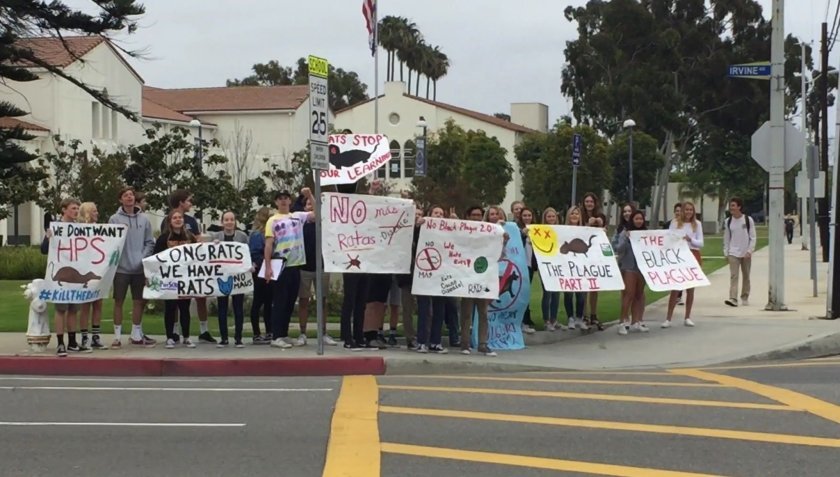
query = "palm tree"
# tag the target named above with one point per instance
(440, 66)
(427, 65)
(413, 58)
(408, 38)
(389, 37)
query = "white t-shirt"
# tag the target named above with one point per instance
(695, 237)
(736, 240)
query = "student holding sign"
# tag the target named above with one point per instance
(284, 248)
(593, 217)
(573, 301)
(308, 275)
(176, 234)
(526, 218)
(230, 233)
(89, 214)
(65, 313)
(262, 288)
(687, 226)
(633, 298)
(139, 243)
(431, 312)
(551, 299)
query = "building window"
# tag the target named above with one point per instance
(96, 118)
(394, 119)
(409, 159)
(106, 123)
(395, 164)
(114, 121)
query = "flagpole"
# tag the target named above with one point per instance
(376, 67)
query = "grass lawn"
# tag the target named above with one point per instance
(14, 309)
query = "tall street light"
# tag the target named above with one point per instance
(420, 160)
(629, 124)
(198, 150)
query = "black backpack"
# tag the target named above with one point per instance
(729, 223)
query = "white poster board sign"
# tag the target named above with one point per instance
(353, 156)
(366, 234)
(458, 258)
(574, 258)
(666, 261)
(198, 270)
(81, 262)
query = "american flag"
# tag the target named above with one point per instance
(369, 11)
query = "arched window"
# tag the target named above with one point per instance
(409, 158)
(395, 164)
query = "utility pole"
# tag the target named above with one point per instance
(823, 201)
(803, 203)
(776, 190)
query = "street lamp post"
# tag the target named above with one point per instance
(629, 125)
(198, 150)
(420, 160)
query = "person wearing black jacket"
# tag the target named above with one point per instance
(405, 281)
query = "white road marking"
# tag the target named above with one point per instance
(124, 424)
(99, 388)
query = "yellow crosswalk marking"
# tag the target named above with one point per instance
(594, 397)
(353, 448)
(619, 426)
(569, 381)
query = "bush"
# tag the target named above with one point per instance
(22, 263)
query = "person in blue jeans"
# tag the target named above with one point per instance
(262, 288)
(550, 300)
(431, 312)
(230, 233)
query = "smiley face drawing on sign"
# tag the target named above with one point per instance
(544, 240)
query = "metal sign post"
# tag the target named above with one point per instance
(319, 159)
(577, 149)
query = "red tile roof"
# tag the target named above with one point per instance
(10, 123)
(60, 53)
(238, 98)
(455, 109)
(156, 111)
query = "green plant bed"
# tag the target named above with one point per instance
(22, 263)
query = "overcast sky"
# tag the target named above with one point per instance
(501, 51)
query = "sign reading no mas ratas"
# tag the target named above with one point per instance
(199, 270)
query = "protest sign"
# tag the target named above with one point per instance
(458, 258)
(666, 261)
(366, 234)
(199, 270)
(506, 313)
(81, 262)
(353, 156)
(574, 258)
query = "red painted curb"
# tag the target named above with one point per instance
(53, 366)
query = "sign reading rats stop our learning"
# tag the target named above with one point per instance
(198, 270)
(353, 156)
(666, 261)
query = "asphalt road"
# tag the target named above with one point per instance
(764, 420)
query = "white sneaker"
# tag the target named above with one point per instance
(622, 330)
(329, 341)
(423, 349)
(688, 322)
(572, 323)
(745, 302)
(189, 343)
(731, 302)
(583, 326)
(301, 341)
(666, 324)
(528, 330)
(550, 326)
(280, 343)
(680, 301)
(466, 351)
(639, 327)
(170, 344)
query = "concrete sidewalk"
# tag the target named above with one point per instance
(723, 334)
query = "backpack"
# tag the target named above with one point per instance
(729, 224)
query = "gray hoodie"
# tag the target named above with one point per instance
(626, 257)
(238, 236)
(139, 241)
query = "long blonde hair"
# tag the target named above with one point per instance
(681, 217)
(86, 212)
(261, 218)
(545, 213)
(569, 215)
(499, 211)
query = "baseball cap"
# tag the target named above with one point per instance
(283, 194)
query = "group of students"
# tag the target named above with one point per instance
(287, 239)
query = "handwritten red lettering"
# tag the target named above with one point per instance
(342, 212)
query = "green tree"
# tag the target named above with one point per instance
(546, 163)
(464, 168)
(346, 89)
(24, 19)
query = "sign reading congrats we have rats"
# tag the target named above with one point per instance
(199, 270)
(81, 262)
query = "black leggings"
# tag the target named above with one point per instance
(526, 319)
(353, 307)
(262, 300)
(573, 301)
(182, 307)
(284, 294)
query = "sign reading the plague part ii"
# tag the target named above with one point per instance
(573, 258)
(199, 270)
(82, 261)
